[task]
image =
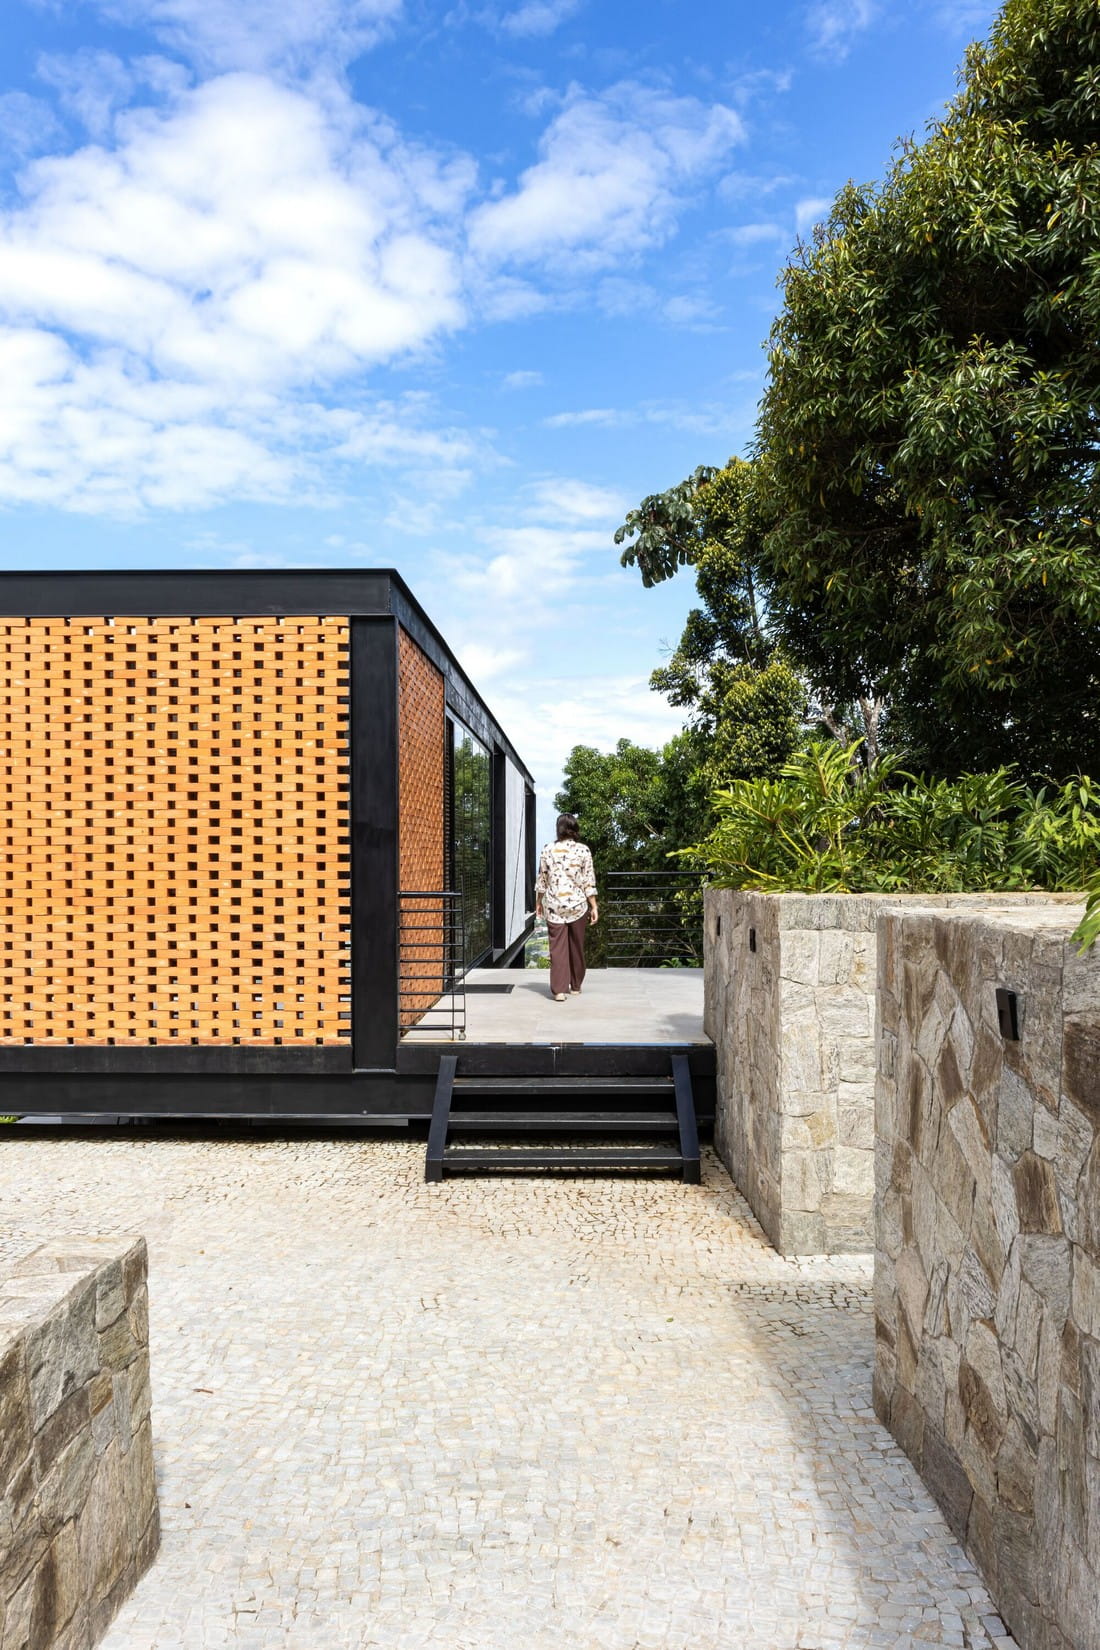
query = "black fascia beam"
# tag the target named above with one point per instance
(212, 592)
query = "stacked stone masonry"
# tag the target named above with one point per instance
(789, 1005)
(78, 1504)
(987, 1264)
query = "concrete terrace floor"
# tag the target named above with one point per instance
(496, 1414)
(616, 1005)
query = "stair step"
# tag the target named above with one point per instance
(626, 1086)
(567, 1122)
(593, 1157)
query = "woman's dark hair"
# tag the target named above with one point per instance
(568, 829)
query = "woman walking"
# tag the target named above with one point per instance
(565, 893)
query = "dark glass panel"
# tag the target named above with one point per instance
(472, 806)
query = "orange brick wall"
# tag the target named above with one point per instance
(421, 849)
(174, 831)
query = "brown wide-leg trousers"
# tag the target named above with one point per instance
(567, 954)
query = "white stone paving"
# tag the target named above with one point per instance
(616, 1005)
(534, 1414)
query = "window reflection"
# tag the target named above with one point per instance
(471, 841)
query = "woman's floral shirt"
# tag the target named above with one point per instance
(566, 878)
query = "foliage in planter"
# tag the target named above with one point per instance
(827, 824)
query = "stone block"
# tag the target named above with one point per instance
(64, 1488)
(836, 956)
(78, 1512)
(943, 1472)
(1081, 1065)
(110, 1300)
(1085, 1294)
(106, 1543)
(1036, 1190)
(845, 1012)
(799, 957)
(15, 1410)
(1015, 1116)
(1045, 1263)
(62, 1352)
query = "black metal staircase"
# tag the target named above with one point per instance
(645, 1124)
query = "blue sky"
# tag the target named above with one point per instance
(445, 287)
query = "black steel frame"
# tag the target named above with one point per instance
(272, 1080)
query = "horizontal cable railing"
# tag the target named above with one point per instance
(431, 985)
(653, 919)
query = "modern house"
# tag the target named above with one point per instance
(254, 823)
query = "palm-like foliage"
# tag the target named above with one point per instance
(827, 824)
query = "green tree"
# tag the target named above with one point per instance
(636, 807)
(617, 797)
(922, 503)
(744, 700)
(928, 437)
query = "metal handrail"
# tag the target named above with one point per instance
(431, 972)
(646, 922)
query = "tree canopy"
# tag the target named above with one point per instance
(744, 700)
(921, 509)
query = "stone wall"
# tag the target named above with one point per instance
(987, 1265)
(78, 1505)
(793, 1024)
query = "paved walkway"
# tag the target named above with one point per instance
(533, 1415)
(617, 1005)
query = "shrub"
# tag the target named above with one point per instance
(828, 824)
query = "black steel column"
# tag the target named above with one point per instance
(530, 846)
(499, 850)
(375, 863)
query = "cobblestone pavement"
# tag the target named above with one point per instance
(541, 1415)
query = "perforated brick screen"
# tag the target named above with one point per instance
(175, 830)
(420, 742)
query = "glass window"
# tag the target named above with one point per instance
(471, 845)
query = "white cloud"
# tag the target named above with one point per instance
(965, 17)
(95, 437)
(526, 566)
(189, 304)
(90, 85)
(256, 34)
(518, 594)
(609, 417)
(574, 501)
(552, 713)
(27, 124)
(245, 234)
(521, 380)
(813, 210)
(687, 311)
(753, 234)
(833, 25)
(700, 419)
(612, 174)
(484, 663)
(538, 17)
(172, 303)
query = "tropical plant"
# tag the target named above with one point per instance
(828, 824)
